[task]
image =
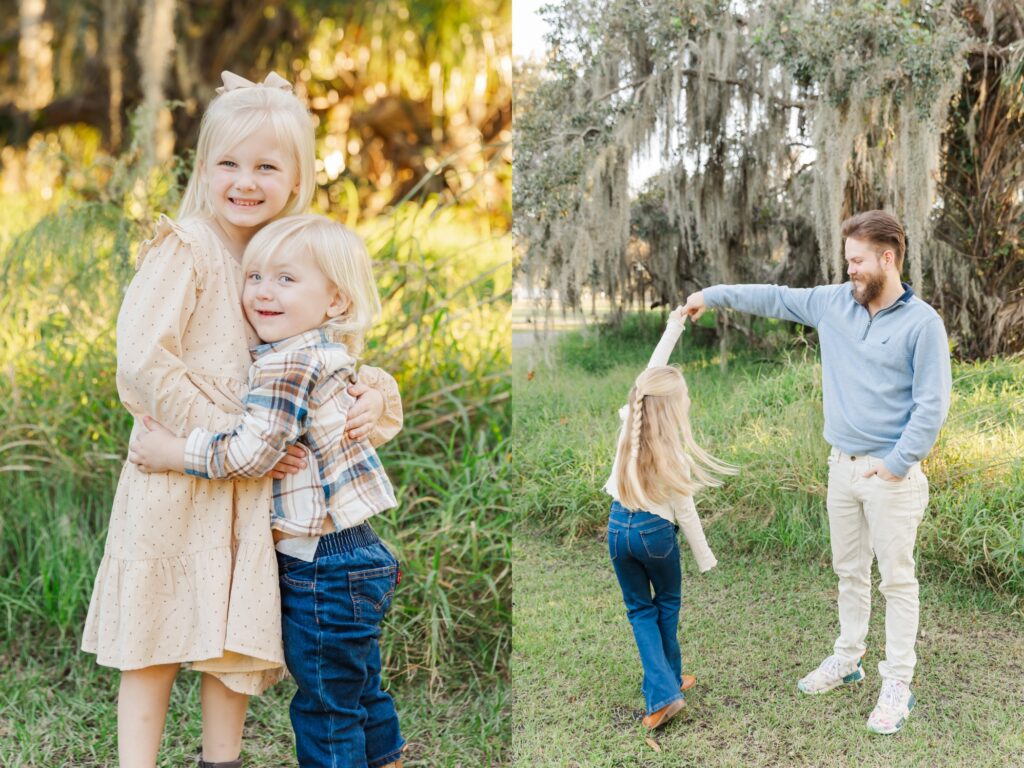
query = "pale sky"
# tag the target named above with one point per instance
(527, 29)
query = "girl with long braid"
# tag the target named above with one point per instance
(658, 468)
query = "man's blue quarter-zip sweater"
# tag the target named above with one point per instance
(886, 379)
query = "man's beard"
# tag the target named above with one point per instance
(870, 290)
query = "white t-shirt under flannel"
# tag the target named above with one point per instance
(298, 390)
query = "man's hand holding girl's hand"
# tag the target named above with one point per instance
(679, 315)
(695, 306)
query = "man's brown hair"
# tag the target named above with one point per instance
(878, 228)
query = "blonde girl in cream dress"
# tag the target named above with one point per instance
(189, 571)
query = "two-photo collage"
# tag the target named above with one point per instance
(493, 383)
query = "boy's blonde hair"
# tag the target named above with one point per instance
(658, 458)
(236, 114)
(339, 253)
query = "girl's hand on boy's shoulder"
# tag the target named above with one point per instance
(157, 449)
(365, 412)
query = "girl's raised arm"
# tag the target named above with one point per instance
(673, 329)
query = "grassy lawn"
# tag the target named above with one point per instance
(751, 628)
(57, 708)
(767, 614)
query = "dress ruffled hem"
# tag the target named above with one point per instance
(187, 608)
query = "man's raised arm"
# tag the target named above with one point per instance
(799, 305)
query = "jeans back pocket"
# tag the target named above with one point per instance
(371, 591)
(660, 542)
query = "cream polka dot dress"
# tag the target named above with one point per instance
(189, 572)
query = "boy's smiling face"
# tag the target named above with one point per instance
(288, 295)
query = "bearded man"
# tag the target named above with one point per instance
(885, 387)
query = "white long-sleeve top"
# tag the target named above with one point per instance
(681, 511)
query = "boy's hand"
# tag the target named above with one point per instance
(695, 305)
(290, 463)
(365, 413)
(157, 449)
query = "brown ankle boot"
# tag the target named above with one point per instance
(396, 764)
(224, 764)
(663, 715)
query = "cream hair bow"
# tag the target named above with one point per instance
(233, 82)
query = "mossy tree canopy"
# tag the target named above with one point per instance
(759, 127)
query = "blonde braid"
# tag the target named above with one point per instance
(638, 423)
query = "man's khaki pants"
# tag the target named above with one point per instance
(875, 517)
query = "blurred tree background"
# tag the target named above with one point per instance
(100, 104)
(400, 89)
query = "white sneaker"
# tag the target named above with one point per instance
(894, 705)
(831, 673)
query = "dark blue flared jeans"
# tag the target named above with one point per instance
(645, 556)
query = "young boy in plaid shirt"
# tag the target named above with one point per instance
(310, 296)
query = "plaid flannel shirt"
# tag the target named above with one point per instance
(298, 389)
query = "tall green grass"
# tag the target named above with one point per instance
(764, 415)
(444, 282)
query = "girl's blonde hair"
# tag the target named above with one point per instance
(236, 114)
(342, 257)
(658, 458)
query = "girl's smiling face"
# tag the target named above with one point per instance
(288, 295)
(250, 184)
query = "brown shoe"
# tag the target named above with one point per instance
(663, 715)
(396, 764)
(688, 682)
(224, 764)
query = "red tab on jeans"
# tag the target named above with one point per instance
(399, 579)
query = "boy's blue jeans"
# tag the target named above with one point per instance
(331, 612)
(645, 554)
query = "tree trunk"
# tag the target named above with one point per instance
(114, 23)
(156, 41)
(35, 56)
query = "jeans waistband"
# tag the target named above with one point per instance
(346, 540)
(619, 516)
(617, 507)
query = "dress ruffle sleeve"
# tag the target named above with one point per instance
(390, 423)
(152, 377)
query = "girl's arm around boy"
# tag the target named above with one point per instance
(276, 409)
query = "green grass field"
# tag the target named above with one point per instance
(767, 614)
(57, 711)
(751, 628)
